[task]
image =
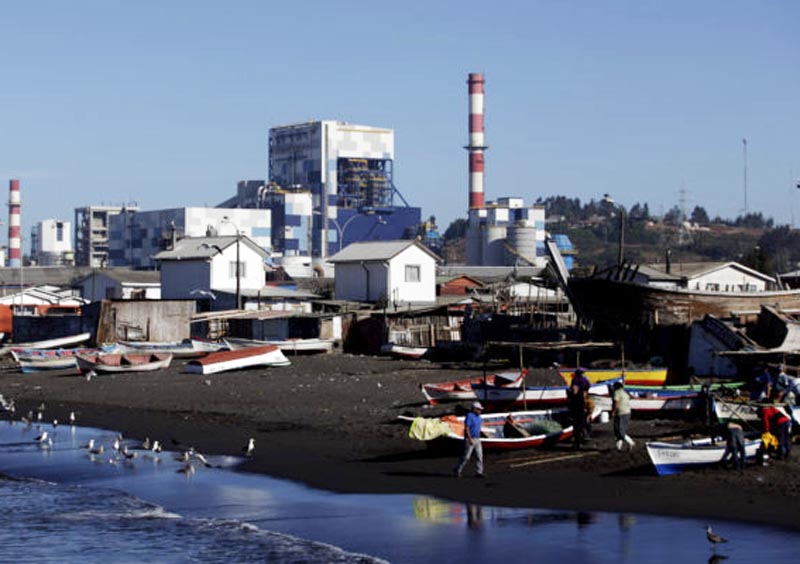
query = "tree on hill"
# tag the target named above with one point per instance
(456, 229)
(699, 216)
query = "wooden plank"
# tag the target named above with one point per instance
(554, 459)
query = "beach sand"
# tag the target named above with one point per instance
(331, 422)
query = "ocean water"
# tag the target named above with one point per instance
(61, 504)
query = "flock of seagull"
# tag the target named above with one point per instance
(120, 450)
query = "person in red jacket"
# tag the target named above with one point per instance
(778, 423)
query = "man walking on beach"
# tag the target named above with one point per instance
(621, 413)
(472, 441)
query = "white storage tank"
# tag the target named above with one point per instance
(494, 237)
(522, 243)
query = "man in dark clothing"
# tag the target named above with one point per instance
(577, 411)
(583, 384)
(734, 446)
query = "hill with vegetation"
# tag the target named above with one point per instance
(594, 228)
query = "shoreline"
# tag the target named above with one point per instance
(330, 422)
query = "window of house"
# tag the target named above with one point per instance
(712, 287)
(412, 273)
(232, 269)
(59, 231)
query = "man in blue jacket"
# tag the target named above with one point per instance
(472, 441)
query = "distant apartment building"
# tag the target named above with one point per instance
(92, 231)
(135, 238)
(51, 243)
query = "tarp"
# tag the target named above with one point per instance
(424, 429)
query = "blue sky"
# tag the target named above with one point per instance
(168, 103)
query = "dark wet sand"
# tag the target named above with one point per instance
(331, 422)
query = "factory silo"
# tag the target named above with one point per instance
(521, 248)
(494, 237)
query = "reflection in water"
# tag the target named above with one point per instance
(717, 558)
(583, 518)
(474, 516)
(626, 521)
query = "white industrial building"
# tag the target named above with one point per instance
(51, 243)
(400, 272)
(135, 238)
(92, 232)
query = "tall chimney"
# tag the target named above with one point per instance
(476, 141)
(14, 226)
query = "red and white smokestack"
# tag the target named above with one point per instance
(476, 142)
(14, 226)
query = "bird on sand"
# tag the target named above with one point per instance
(250, 448)
(146, 444)
(714, 538)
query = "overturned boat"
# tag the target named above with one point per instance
(250, 357)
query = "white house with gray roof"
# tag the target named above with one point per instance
(199, 267)
(402, 272)
(705, 276)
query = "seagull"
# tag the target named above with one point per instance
(156, 446)
(71, 417)
(39, 416)
(128, 455)
(41, 438)
(146, 443)
(202, 459)
(55, 423)
(250, 448)
(90, 374)
(184, 457)
(97, 450)
(89, 445)
(713, 538)
(116, 445)
(41, 406)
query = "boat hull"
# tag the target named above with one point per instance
(492, 437)
(673, 458)
(461, 390)
(533, 395)
(214, 363)
(295, 346)
(633, 377)
(115, 363)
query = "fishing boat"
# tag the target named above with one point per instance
(544, 428)
(656, 400)
(461, 390)
(41, 360)
(747, 412)
(56, 343)
(296, 346)
(674, 457)
(533, 395)
(116, 362)
(632, 376)
(407, 352)
(250, 357)
(188, 348)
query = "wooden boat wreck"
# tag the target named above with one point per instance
(674, 457)
(250, 357)
(620, 298)
(104, 363)
(461, 390)
(542, 427)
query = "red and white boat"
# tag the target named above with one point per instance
(250, 357)
(295, 346)
(122, 362)
(545, 428)
(461, 390)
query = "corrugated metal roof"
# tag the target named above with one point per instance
(199, 248)
(377, 250)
